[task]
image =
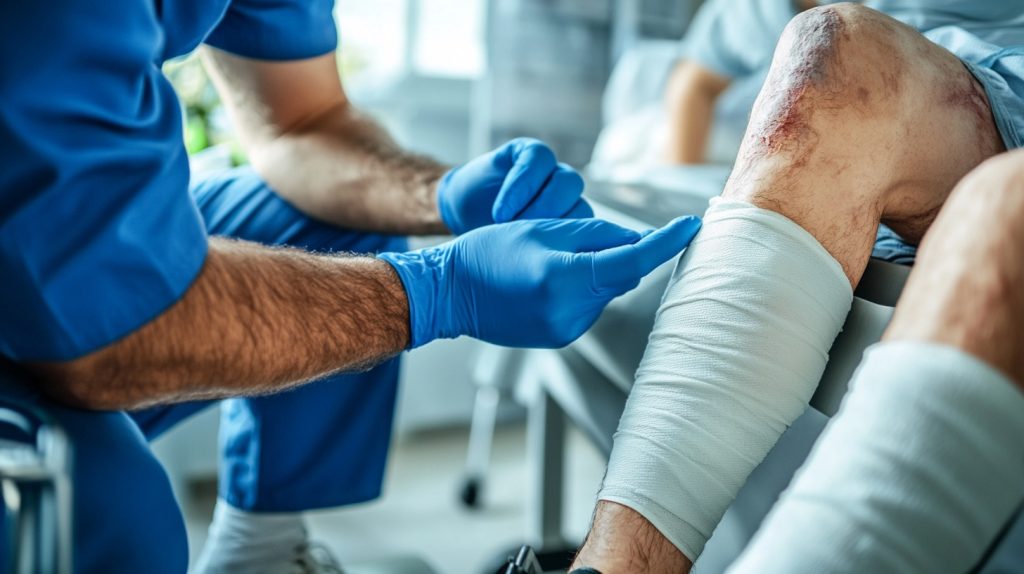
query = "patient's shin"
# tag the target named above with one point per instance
(739, 344)
(918, 472)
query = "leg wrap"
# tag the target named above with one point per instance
(739, 344)
(917, 473)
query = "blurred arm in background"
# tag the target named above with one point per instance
(690, 98)
(727, 41)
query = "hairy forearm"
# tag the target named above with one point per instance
(256, 320)
(343, 168)
(316, 150)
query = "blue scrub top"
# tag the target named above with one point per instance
(98, 233)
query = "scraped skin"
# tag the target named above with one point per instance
(861, 120)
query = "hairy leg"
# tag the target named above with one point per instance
(861, 120)
(966, 291)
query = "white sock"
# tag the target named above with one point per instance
(251, 542)
(917, 473)
(738, 347)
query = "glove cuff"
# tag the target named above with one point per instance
(423, 277)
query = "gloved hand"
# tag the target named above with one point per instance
(519, 180)
(529, 283)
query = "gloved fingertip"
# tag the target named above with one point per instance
(510, 201)
(501, 212)
(680, 229)
(659, 245)
(687, 221)
(571, 179)
(533, 150)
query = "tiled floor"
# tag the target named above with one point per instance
(420, 513)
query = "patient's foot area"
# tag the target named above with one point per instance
(261, 543)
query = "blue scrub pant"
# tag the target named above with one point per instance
(316, 446)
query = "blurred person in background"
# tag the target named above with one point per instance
(727, 41)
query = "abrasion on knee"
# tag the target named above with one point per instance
(805, 62)
(739, 344)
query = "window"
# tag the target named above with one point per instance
(385, 39)
(449, 38)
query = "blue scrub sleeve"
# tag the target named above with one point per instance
(98, 233)
(276, 29)
(737, 38)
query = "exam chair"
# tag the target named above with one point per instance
(35, 477)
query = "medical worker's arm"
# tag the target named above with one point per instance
(319, 152)
(690, 98)
(255, 320)
(260, 320)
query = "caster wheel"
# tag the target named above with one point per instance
(469, 494)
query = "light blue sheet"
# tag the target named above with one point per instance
(988, 36)
(736, 38)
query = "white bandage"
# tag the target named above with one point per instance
(739, 344)
(917, 473)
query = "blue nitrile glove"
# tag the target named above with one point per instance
(519, 180)
(538, 283)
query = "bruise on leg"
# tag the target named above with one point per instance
(850, 70)
(960, 100)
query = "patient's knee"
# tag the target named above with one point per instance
(844, 58)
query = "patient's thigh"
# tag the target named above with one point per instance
(966, 290)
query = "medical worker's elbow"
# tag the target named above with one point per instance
(82, 383)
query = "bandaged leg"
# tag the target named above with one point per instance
(920, 470)
(738, 347)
